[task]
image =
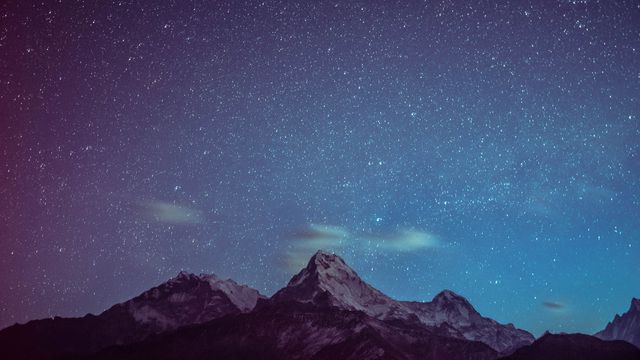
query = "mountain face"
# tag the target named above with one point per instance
(184, 300)
(328, 281)
(325, 312)
(575, 346)
(189, 299)
(450, 309)
(295, 331)
(625, 327)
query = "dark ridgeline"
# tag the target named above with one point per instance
(325, 312)
(575, 346)
(293, 330)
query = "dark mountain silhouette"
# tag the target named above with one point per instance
(293, 330)
(575, 346)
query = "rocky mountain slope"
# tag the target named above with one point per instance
(184, 300)
(452, 310)
(293, 330)
(625, 327)
(328, 281)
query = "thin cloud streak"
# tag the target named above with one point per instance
(335, 238)
(169, 213)
(553, 305)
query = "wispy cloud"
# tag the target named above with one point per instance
(307, 241)
(408, 241)
(553, 305)
(170, 213)
(321, 233)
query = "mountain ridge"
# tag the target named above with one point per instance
(328, 281)
(183, 300)
(325, 310)
(624, 327)
(290, 330)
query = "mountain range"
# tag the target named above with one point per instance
(326, 311)
(328, 281)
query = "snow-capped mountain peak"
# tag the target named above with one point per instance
(447, 305)
(182, 276)
(188, 299)
(328, 280)
(448, 297)
(328, 262)
(454, 311)
(326, 267)
(242, 296)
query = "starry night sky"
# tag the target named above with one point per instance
(493, 150)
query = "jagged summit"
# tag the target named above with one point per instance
(186, 299)
(324, 266)
(190, 299)
(451, 304)
(242, 297)
(625, 327)
(328, 281)
(323, 254)
(450, 296)
(184, 276)
(450, 310)
(323, 261)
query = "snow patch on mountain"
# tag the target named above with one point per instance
(241, 296)
(148, 315)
